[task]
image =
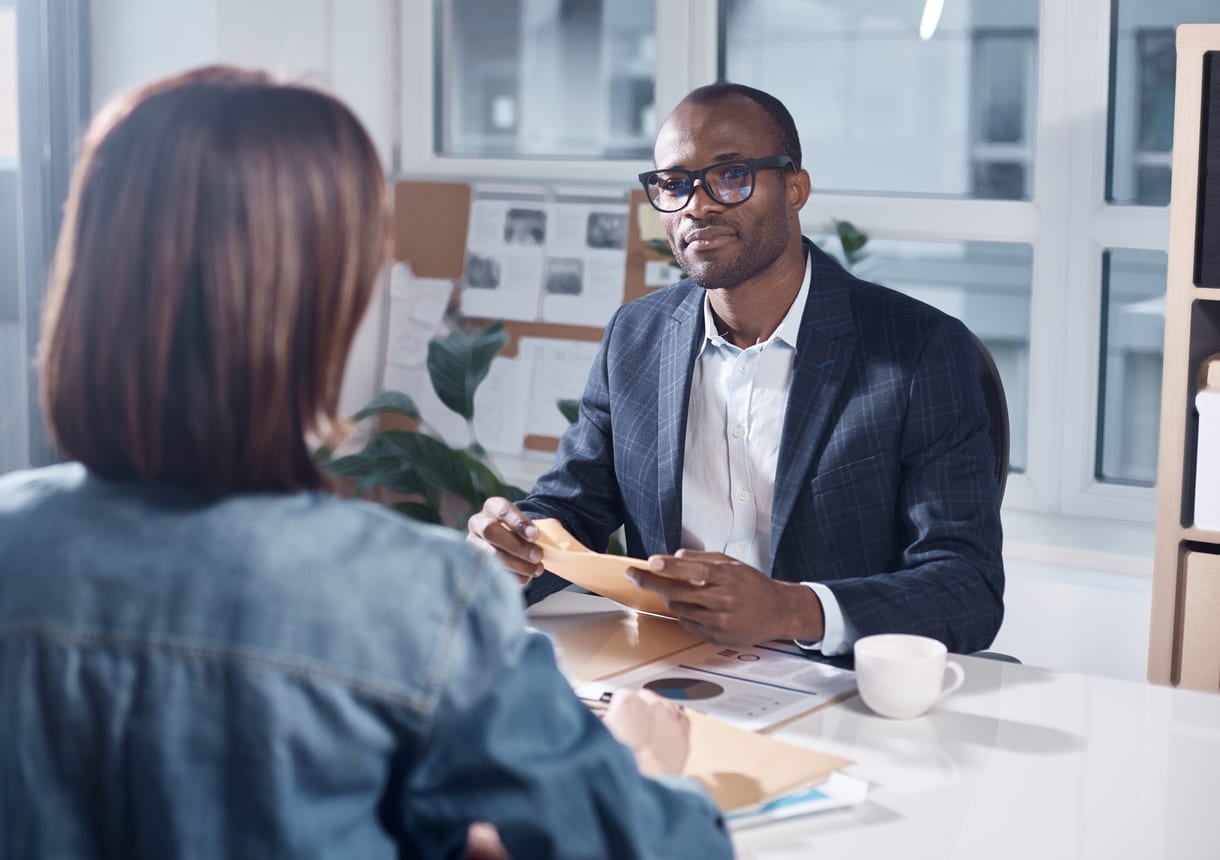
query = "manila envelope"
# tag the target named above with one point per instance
(741, 769)
(600, 573)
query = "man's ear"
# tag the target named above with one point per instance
(799, 186)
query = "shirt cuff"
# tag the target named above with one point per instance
(838, 633)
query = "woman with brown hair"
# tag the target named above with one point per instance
(203, 653)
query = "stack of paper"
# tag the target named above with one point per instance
(742, 769)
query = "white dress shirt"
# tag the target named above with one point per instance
(736, 414)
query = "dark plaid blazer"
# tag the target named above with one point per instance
(885, 488)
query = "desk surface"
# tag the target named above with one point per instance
(1021, 762)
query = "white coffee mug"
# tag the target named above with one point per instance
(900, 675)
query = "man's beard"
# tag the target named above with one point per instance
(759, 251)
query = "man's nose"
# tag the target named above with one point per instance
(700, 200)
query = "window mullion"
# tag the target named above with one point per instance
(1048, 299)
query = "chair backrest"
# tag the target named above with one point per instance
(997, 408)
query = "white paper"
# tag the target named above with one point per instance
(559, 370)
(838, 791)
(417, 306)
(501, 405)
(660, 274)
(586, 262)
(752, 688)
(505, 254)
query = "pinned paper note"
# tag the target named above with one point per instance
(599, 572)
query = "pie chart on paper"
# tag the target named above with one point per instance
(684, 689)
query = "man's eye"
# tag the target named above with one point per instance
(673, 185)
(736, 173)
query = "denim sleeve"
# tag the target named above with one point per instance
(510, 743)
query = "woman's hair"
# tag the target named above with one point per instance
(222, 238)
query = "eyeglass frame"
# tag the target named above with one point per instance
(769, 162)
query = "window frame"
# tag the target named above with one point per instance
(1067, 221)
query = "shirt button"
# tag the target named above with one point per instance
(737, 431)
(745, 368)
(737, 548)
(743, 495)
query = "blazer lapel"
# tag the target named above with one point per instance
(823, 354)
(679, 343)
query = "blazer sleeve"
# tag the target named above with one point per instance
(947, 581)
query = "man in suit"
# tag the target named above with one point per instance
(798, 454)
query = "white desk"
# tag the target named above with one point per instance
(1020, 763)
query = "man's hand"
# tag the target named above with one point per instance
(500, 529)
(728, 602)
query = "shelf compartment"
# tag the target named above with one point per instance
(1200, 653)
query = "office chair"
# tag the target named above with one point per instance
(997, 409)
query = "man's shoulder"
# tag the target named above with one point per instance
(680, 295)
(643, 319)
(885, 315)
(875, 300)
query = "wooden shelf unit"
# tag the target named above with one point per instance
(1184, 639)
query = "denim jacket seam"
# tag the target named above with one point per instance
(440, 662)
(309, 671)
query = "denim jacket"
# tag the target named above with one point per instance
(290, 675)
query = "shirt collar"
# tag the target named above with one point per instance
(788, 329)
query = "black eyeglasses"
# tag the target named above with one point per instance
(729, 183)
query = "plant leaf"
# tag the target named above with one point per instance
(352, 466)
(570, 409)
(419, 511)
(486, 482)
(459, 362)
(852, 240)
(389, 401)
(438, 466)
(372, 467)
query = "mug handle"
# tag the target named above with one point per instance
(959, 678)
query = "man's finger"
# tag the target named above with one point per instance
(681, 569)
(669, 589)
(511, 517)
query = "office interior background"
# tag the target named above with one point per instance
(1009, 160)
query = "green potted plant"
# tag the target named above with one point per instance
(426, 479)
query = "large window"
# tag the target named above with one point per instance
(882, 109)
(1009, 161)
(1141, 93)
(556, 78)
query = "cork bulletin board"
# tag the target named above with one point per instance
(431, 222)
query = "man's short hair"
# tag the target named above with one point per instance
(220, 244)
(782, 124)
